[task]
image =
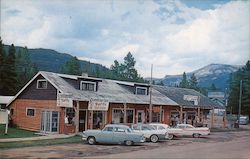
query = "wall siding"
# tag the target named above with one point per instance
(31, 92)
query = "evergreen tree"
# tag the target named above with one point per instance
(193, 83)
(213, 87)
(24, 67)
(184, 83)
(126, 71)
(2, 71)
(244, 75)
(72, 67)
(10, 81)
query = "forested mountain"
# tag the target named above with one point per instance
(53, 61)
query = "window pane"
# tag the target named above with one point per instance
(141, 91)
(130, 116)
(30, 112)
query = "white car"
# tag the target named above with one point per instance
(150, 132)
(172, 132)
(189, 130)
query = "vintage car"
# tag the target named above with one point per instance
(244, 120)
(113, 134)
(189, 130)
(172, 132)
(150, 132)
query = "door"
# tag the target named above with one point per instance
(140, 116)
(49, 121)
(82, 120)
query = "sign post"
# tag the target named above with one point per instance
(4, 119)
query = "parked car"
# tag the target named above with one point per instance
(113, 134)
(172, 132)
(150, 132)
(244, 120)
(189, 130)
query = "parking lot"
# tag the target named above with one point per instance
(118, 151)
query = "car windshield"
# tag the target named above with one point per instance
(108, 128)
(129, 130)
(147, 127)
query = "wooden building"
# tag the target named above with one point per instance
(59, 103)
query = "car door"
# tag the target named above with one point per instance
(120, 135)
(106, 135)
(189, 130)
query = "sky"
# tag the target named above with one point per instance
(173, 35)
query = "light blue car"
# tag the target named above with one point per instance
(113, 134)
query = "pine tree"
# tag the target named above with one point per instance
(72, 67)
(24, 67)
(213, 87)
(10, 81)
(2, 71)
(244, 75)
(184, 83)
(193, 83)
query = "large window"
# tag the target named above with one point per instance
(118, 116)
(30, 112)
(41, 84)
(88, 86)
(70, 113)
(141, 90)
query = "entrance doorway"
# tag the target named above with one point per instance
(140, 116)
(49, 121)
(82, 120)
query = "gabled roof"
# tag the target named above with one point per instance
(177, 95)
(109, 90)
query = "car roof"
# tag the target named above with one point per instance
(117, 125)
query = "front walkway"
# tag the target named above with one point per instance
(47, 136)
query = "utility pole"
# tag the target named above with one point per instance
(150, 96)
(239, 112)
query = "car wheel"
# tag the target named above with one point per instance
(154, 138)
(91, 140)
(170, 136)
(128, 143)
(196, 135)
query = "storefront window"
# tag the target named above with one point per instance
(191, 118)
(175, 118)
(118, 116)
(70, 113)
(98, 119)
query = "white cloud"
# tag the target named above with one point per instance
(172, 36)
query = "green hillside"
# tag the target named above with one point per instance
(53, 61)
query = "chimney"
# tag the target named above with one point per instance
(84, 74)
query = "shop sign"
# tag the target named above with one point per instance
(3, 116)
(64, 100)
(98, 104)
(156, 109)
(191, 98)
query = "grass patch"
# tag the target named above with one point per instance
(15, 133)
(7, 145)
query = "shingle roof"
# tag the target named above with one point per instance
(107, 89)
(177, 94)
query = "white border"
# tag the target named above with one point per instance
(41, 80)
(27, 112)
(88, 82)
(146, 90)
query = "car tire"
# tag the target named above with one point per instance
(154, 138)
(170, 136)
(128, 143)
(91, 140)
(196, 135)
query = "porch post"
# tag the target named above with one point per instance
(199, 115)
(212, 118)
(181, 114)
(91, 119)
(125, 113)
(224, 119)
(161, 114)
(77, 117)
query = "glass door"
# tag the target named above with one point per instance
(49, 121)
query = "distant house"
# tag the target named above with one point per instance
(60, 103)
(4, 100)
(220, 99)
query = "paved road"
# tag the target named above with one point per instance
(227, 145)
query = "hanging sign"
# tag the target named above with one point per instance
(64, 100)
(98, 104)
(191, 98)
